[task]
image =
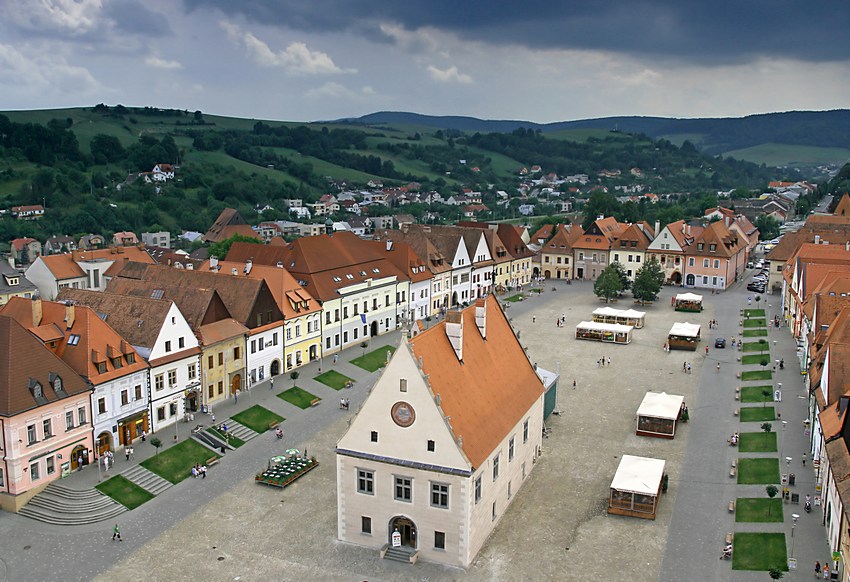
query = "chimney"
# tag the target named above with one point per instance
(454, 330)
(190, 266)
(481, 316)
(213, 262)
(36, 312)
(389, 245)
(817, 239)
(280, 264)
(234, 271)
(248, 264)
(69, 315)
(657, 227)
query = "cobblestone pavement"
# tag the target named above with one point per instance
(229, 528)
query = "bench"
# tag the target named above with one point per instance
(315, 401)
(737, 411)
(737, 395)
(273, 424)
(730, 537)
(733, 471)
(732, 506)
(735, 463)
(211, 461)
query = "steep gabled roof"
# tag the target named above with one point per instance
(562, 242)
(727, 242)
(198, 306)
(25, 360)
(843, 206)
(228, 217)
(491, 390)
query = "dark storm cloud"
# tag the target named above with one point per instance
(693, 30)
(134, 18)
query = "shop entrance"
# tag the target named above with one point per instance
(374, 330)
(235, 384)
(79, 453)
(406, 528)
(104, 443)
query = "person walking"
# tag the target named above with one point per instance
(271, 384)
(718, 367)
(127, 453)
(80, 463)
(609, 360)
(817, 569)
(706, 350)
(533, 319)
(336, 358)
(574, 387)
(116, 533)
(804, 459)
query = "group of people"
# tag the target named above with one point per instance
(824, 570)
(712, 324)
(733, 440)
(601, 361)
(561, 321)
(686, 367)
(343, 403)
(199, 471)
(278, 433)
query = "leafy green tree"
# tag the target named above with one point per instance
(771, 490)
(621, 273)
(106, 149)
(221, 248)
(648, 281)
(768, 227)
(608, 285)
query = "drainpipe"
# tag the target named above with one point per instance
(5, 456)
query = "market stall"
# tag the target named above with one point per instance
(684, 336)
(636, 487)
(688, 302)
(621, 316)
(604, 332)
(658, 414)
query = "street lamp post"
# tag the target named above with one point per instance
(795, 517)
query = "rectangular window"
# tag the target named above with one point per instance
(496, 467)
(494, 511)
(440, 495)
(525, 432)
(345, 337)
(137, 392)
(168, 346)
(365, 482)
(511, 449)
(374, 436)
(69, 420)
(81, 415)
(172, 378)
(430, 446)
(193, 372)
(690, 261)
(237, 353)
(34, 474)
(716, 264)
(220, 387)
(253, 346)
(345, 311)
(47, 427)
(181, 343)
(51, 465)
(2, 479)
(328, 317)
(403, 489)
(210, 391)
(288, 334)
(478, 489)
(509, 489)
(705, 262)
(439, 540)
(32, 437)
(160, 413)
(210, 362)
(261, 345)
(221, 358)
(159, 381)
(365, 524)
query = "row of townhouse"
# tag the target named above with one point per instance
(712, 256)
(814, 287)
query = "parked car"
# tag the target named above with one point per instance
(720, 342)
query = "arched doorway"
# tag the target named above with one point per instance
(235, 383)
(104, 443)
(454, 299)
(79, 452)
(406, 528)
(314, 352)
(536, 272)
(547, 274)
(373, 330)
(275, 368)
(689, 280)
(676, 278)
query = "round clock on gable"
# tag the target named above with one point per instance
(403, 414)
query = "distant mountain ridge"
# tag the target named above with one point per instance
(825, 129)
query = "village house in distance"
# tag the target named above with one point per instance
(444, 441)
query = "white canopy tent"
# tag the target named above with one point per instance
(658, 414)
(636, 487)
(604, 332)
(689, 297)
(688, 302)
(684, 336)
(685, 329)
(621, 316)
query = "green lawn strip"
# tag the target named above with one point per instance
(759, 551)
(757, 442)
(124, 492)
(297, 396)
(758, 510)
(514, 298)
(175, 464)
(754, 332)
(755, 323)
(374, 360)
(756, 375)
(756, 359)
(757, 414)
(757, 346)
(751, 394)
(333, 379)
(754, 312)
(758, 471)
(230, 439)
(257, 418)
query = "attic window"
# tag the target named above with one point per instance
(712, 247)
(376, 270)
(73, 339)
(362, 273)
(157, 294)
(699, 246)
(431, 446)
(402, 384)
(349, 276)
(337, 279)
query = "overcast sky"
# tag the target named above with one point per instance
(537, 60)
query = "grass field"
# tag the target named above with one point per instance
(333, 379)
(757, 346)
(257, 418)
(124, 492)
(759, 551)
(754, 332)
(755, 323)
(175, 464)
(757, 414)
(751, 394)
(230, 439)
(297, 396)
(756, 375)
(756, 510)
(754, 312)
(772, 154)
(757, 442)
(758, 471)
(374, 360)
(756, 359)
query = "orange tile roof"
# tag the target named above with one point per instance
(287, 292)
(225, 329)
(843, 206)
(63, 267)
(491, 390)
(728, 243)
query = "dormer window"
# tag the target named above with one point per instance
(130, 358)
(12, 281)
(712, 248)
(699, 246)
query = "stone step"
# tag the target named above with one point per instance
(58, 518)
(398, 555)
(69, 506)
(239, 431)
(58, 490)
(147, 480)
